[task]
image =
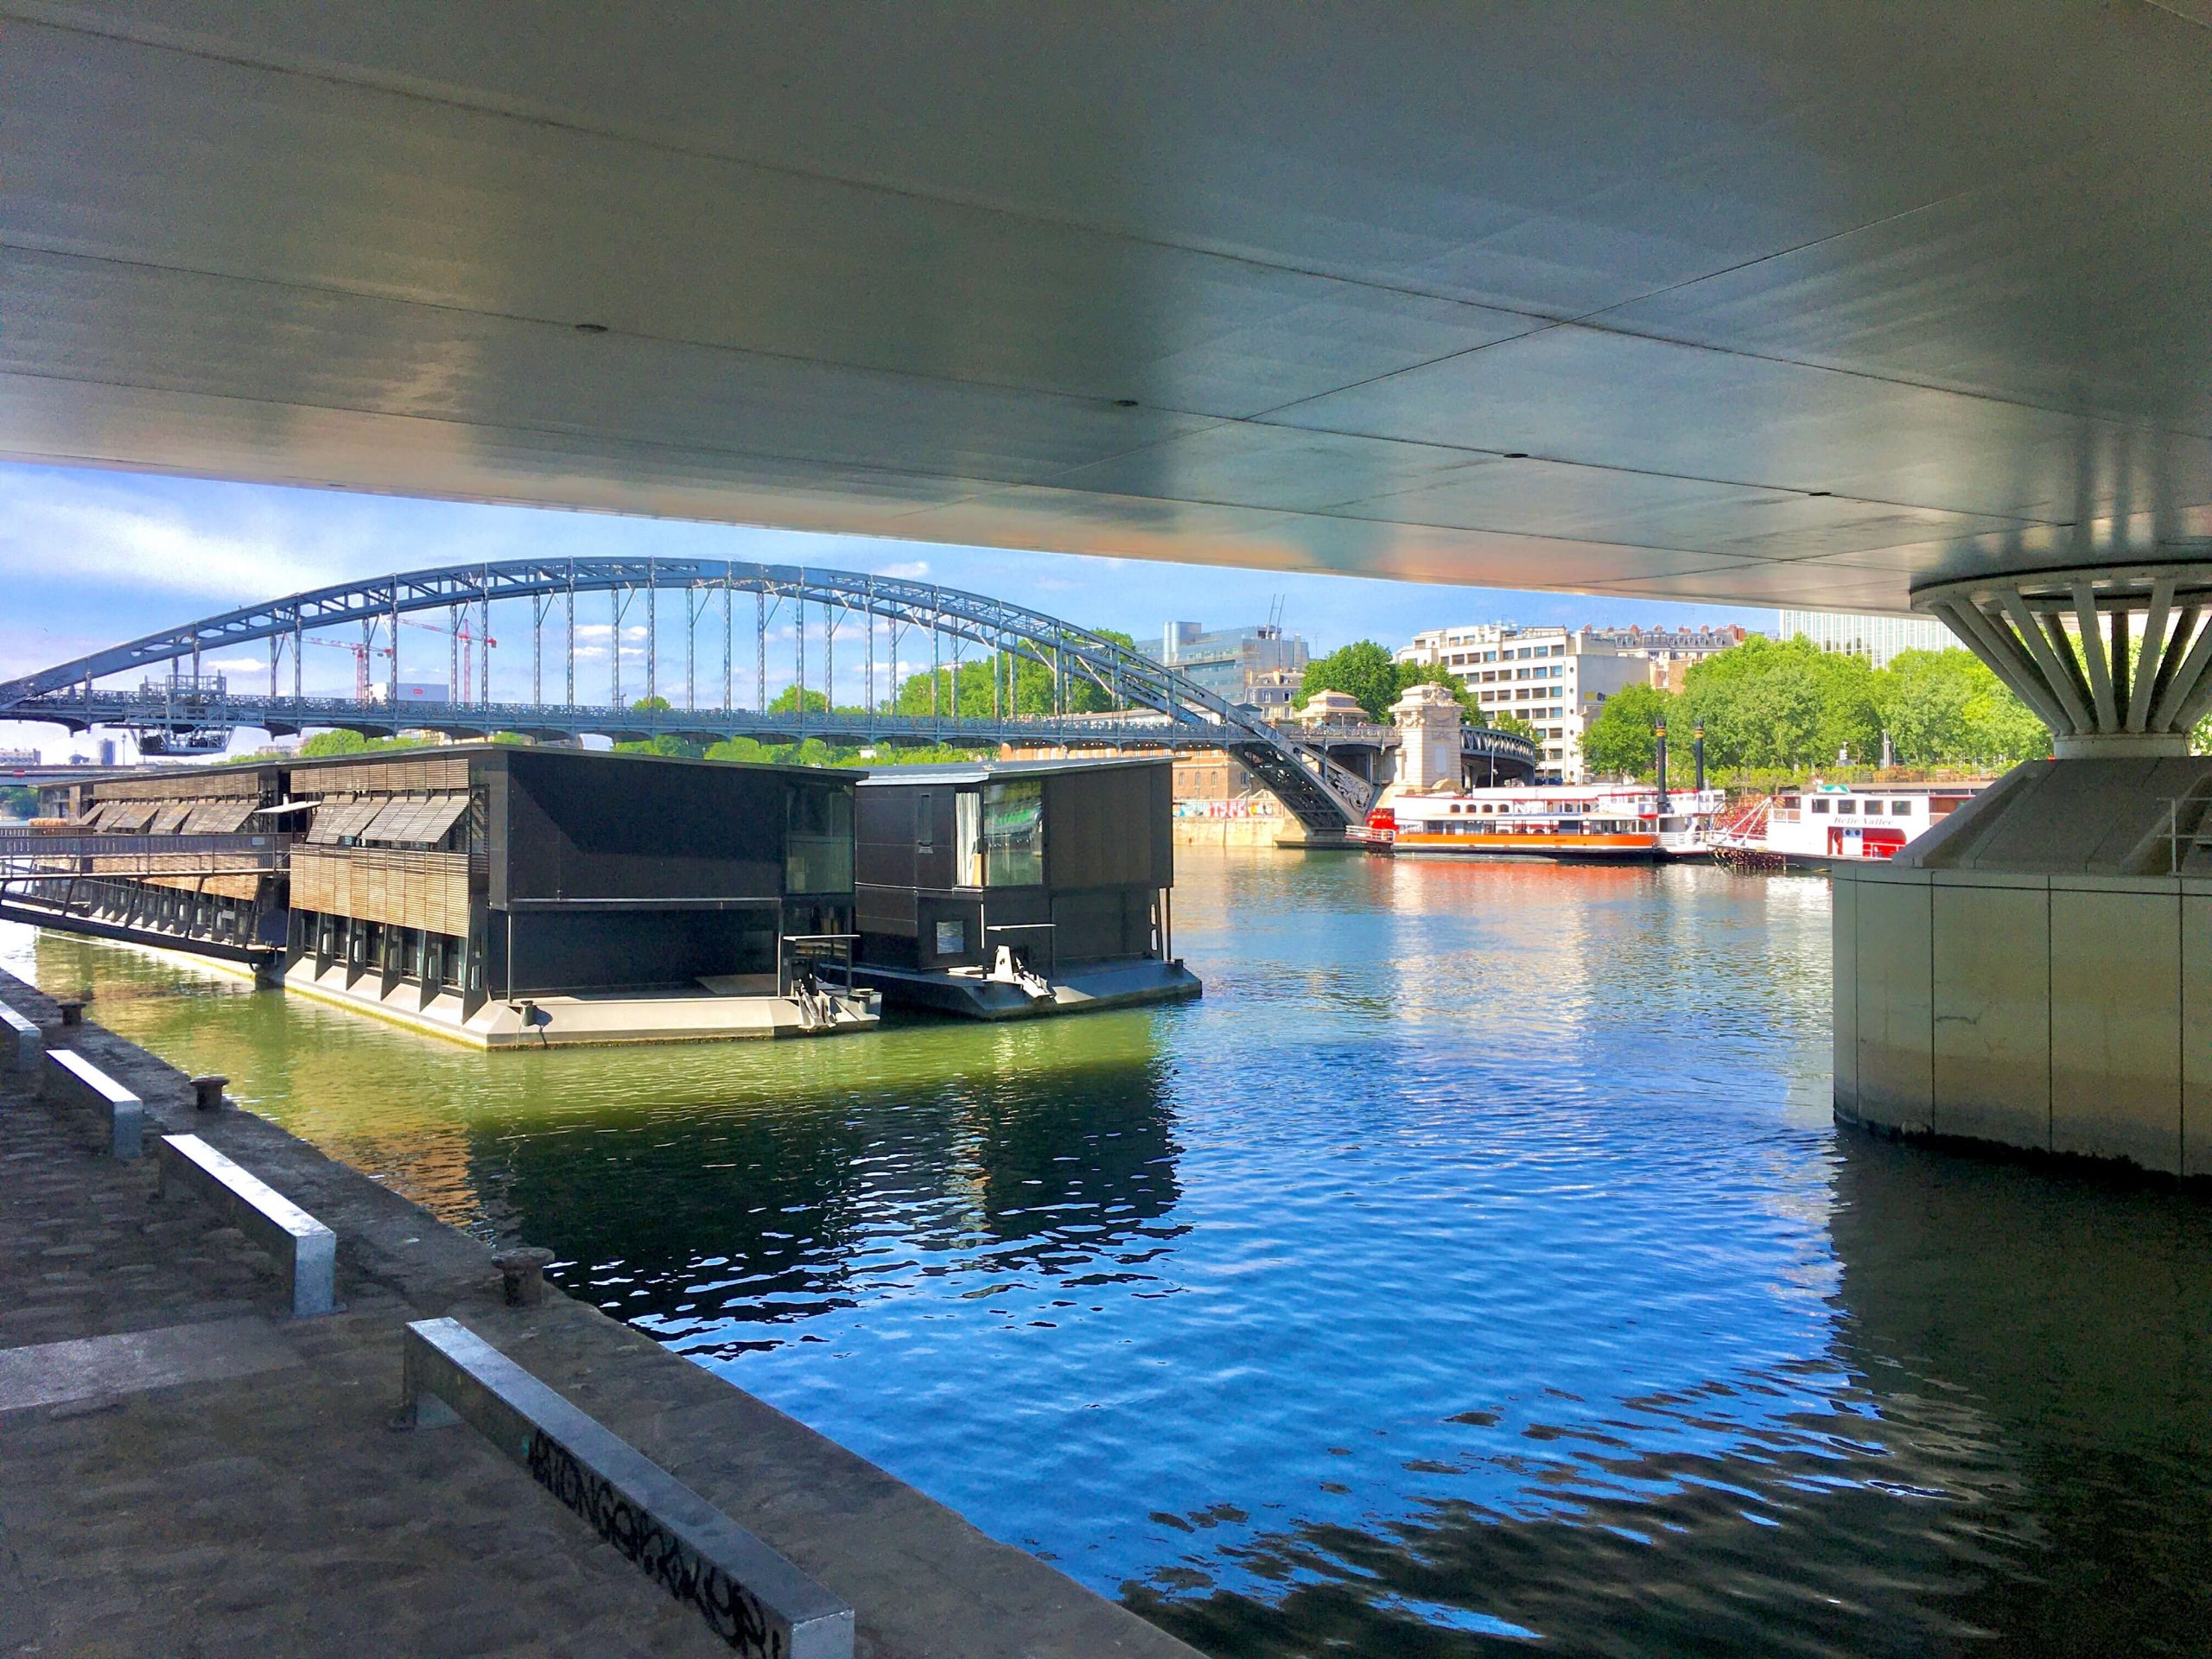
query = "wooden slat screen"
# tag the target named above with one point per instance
(409, 889)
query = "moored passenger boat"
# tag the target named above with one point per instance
(1612, 823)
(1822, 824)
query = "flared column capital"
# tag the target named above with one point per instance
(2113, 658)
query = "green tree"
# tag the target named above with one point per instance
(667, 743)
(1513, 725)
(1362, 671)
(337, 743)
(1923, 698)
(19, 801)
(1623, 742)
(793, 700)
(2003, 730)
(1945, 707)
(1782, 704)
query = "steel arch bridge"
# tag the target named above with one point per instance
(188, 711)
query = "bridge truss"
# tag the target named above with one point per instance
(1154, 706)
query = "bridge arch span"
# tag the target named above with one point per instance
(1166, 708)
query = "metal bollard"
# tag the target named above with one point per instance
(208, 1093)
(521, 1275)
(73, 1011)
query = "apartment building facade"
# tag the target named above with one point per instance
(1559, 679)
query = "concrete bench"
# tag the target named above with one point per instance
(79, 1080)
(306, 1250)
(750, 1596)
(21, 1037)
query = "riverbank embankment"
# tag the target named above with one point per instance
(192, 1471)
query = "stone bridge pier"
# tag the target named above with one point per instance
(2036, 971)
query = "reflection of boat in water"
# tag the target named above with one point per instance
(1608, 823)
(1823, 824)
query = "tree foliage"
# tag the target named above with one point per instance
(1769, 702)
(1362, 671)
(965, 689)
(1623, 742)
(1944, 707)
(327, 743)
(1787, 706)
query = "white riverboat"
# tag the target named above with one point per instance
(1822, 824)
(1605, 823)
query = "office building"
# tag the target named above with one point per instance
(1234, 663)
(1877, 638)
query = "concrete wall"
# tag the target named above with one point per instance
(2061, 1012)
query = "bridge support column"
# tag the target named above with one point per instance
(2036, 970)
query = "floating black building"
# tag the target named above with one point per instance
(1006, 888)
(501, 894)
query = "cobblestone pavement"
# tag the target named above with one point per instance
(280, 1513)
(272, 1513)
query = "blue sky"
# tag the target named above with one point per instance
(89, 558)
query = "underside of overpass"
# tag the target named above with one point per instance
(1839, 304)
(1713, 300)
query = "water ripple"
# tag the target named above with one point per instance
(1475, 1266)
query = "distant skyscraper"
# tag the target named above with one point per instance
(1877, 638)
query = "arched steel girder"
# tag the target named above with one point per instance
(987, 622)
(1319, 792)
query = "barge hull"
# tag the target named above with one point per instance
(1078, 990)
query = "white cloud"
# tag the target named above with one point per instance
(911, 570)
(141, 544)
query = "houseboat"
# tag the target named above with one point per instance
(1822, 824)
(1609, 823)
(505, 896)
(1005, 889)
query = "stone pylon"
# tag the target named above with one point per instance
(1428, 718)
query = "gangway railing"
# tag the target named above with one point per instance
(45, 854)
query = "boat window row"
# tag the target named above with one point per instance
(1847, 806)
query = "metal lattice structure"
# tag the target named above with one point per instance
(187, 708)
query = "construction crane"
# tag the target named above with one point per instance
(465, 637)
(360, 661)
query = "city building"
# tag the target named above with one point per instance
(1877, 638)
(1231, 662)
(1559, 679)
(1276, 691)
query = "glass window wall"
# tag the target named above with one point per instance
(1013, 833)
